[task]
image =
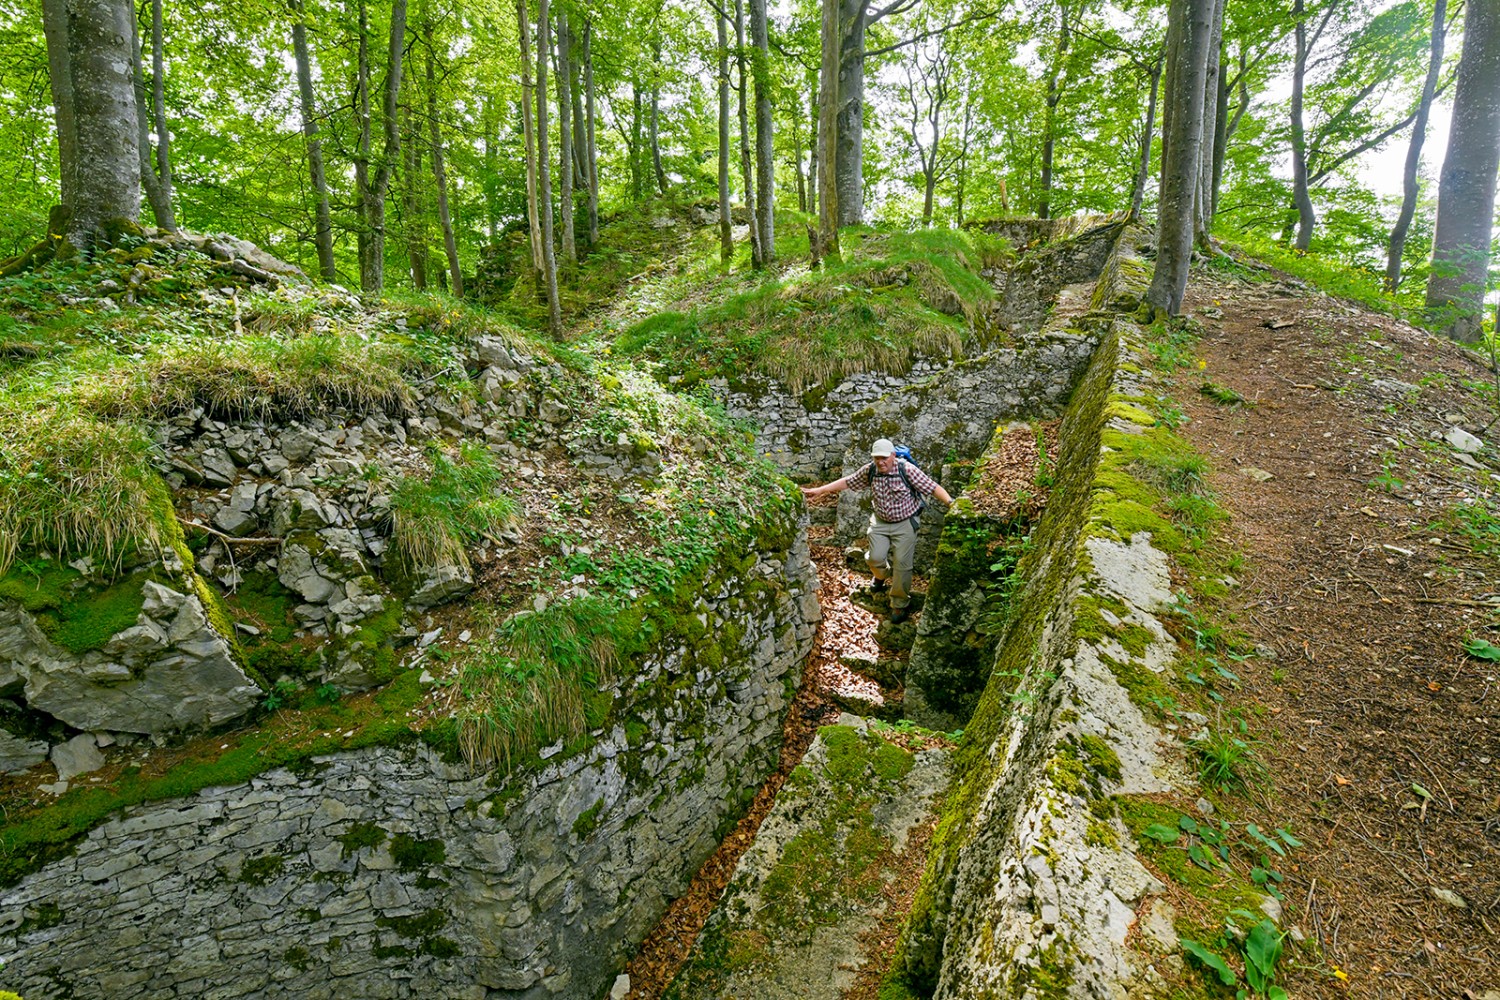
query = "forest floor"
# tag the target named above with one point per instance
(1369, 549)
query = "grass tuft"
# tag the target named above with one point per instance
(72, 485)
(530, 684)
(434, 520)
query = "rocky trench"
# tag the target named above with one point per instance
(528, 919)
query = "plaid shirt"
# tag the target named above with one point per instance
(892, 500)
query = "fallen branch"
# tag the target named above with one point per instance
(231, 538)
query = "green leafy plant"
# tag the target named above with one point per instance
(1223, 395)
(1227, 761)
(280, 696)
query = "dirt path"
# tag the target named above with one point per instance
(1381, 735)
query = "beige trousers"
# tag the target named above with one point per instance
(892, 547)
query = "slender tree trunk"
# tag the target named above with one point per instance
(373, 277)
(440, 174)
(963, 163)
(362, 144)
(565, 141)
(575, 95)
(1203, 214)
(150, 183)
(107, 179)
(813, 142)
(416, 211)
(491, 211)
(757, 253)
(848, 134)
(323, 225)
(828, 126)
(797, 163)
(1466, 187)
(593, 149)
(1138, 189)
(1227, 126)
(544, 168)
(661, 176)
(1049, 121)
(765, 152)
(528, 104)
(1191, 20)
(167, 219)
(1414, 151)
(726, 223)
(1306, 219)
(60, 76)
(637, 182)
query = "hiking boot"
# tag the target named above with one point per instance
(899, 615)
(879, 586)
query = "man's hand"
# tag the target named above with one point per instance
(808, 492)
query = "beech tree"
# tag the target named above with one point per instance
(1414, 149)
(90, 58)
(1189, 30)
(1466, 190)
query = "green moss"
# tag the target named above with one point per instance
(588, 821)
(259, 871)
(1121, 410)
(360, 836)
(39, 917)
(1101, 834)
(297, 957)
(1099, 756)
(892, 763)
(77, 615)
(412, 855)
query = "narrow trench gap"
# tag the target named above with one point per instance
(846, 631)
(849, 669)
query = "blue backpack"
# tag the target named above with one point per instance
(903, 454)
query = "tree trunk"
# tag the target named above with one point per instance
(637, 182)
(544, 168)
(565, 141)
(1138, 189)
(528, 120)
(150, 183)
(166, 219)
(575, 95)
(1306, 219)
(661, 176)
(1466, 187)
(765, 153)
(1191, 21)
(813, 99)
(60, 76)
(1203, 214)
(589, 135)
(491, 211)
(757, 253)
(827, 244)
(416, 223)
(797, 162)
(726, 223)
(440, 174)
(107, 177)
(851, 19)
(1414, 151)
(372, 277)
(1049, 121)
(362, 130)
(323, 226)
(963, 163)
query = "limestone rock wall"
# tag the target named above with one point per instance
(1034, 888)
(391, 873)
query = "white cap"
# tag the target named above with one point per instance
(882, 449)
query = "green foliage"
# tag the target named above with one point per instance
(1227, 761)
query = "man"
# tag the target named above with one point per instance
(897, 488)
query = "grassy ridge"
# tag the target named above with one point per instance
(894, 296)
